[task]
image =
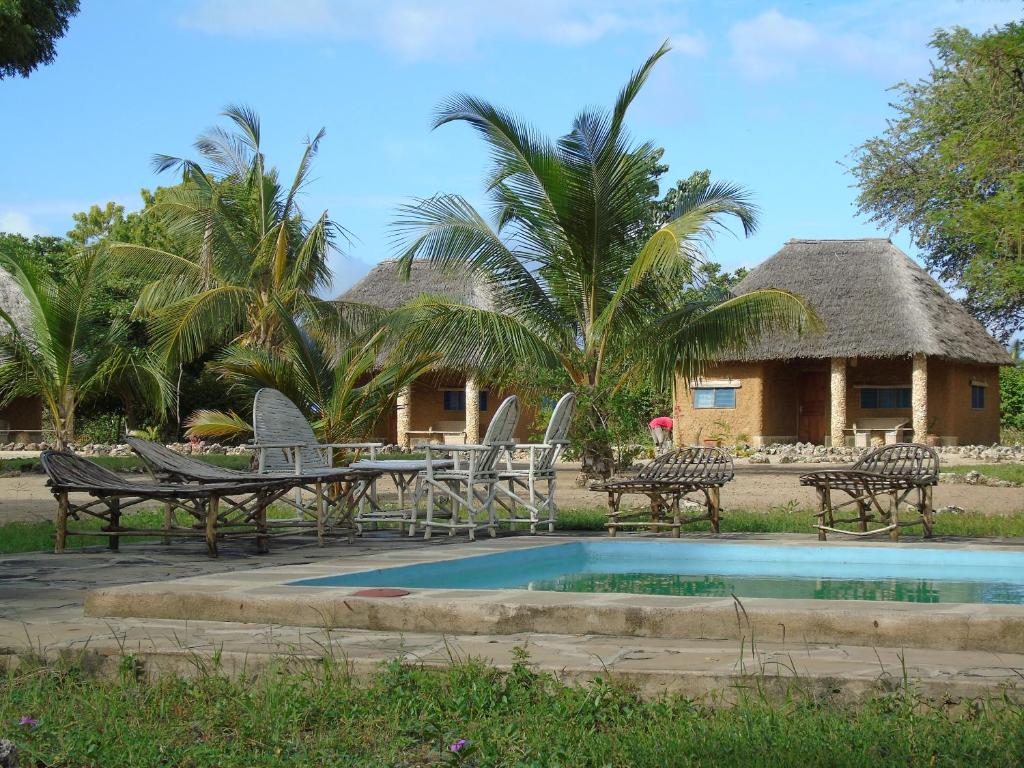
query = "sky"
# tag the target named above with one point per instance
(772, 96)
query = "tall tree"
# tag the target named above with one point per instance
(70, 352)
(242, 247)
(29, 31)
(950, 169)
(577, 283)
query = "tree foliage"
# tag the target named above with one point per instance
(950, 169)
(29, 31)
(586, 275)
(70, 352)
(240, 248)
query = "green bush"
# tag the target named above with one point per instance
(100, 428)
(1011, 397)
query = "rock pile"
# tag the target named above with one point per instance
(808, 453)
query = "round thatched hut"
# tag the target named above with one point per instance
(898, 358)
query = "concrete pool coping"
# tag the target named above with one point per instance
(264, 596)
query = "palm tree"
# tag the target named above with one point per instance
(72, 352)
(578, 281)
(342, 387)
(246, 248)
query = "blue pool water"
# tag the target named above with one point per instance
(920, 575)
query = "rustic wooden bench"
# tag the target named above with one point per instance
(112, 495)
(666, 481)
(895, 473)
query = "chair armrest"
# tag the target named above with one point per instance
(352, 446)
(277, 445)
(451, 448)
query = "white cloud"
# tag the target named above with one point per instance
(770, 44)
(446, 28)
(875, 36)
(16, 221)
(691, 45)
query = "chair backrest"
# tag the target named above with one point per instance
(711, 465)
(67, 469)
(557, 431)
(165, 462)
(501, 430)
(276, 419)
(903, 460)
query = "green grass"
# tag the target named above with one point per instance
(1012, 472)
(408, 716)
(33, 537)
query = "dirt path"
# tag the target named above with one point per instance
(27, 498)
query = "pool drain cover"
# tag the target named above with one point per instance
(381, 593)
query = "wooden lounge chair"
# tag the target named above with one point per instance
(112, 495)
(166, 465)
(458, 496)
(896, 473)
(521, 488)
(666, 481)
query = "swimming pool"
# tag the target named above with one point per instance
(891, 574)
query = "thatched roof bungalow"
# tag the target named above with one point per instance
(898, 358)
(445, 406)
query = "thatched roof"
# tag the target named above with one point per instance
(14, 303)
(875, 302)
(383, 287)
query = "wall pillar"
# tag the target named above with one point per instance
(678, 391)
(404, 416)
(919, 397)
(837, 382)
(472, 411)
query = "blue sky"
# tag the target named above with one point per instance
(772, 96)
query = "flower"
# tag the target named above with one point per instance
(457, 745)
(27, 722)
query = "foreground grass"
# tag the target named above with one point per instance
(1012, 472)
(410, 716)
(33, 537)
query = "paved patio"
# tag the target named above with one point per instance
(42, 597)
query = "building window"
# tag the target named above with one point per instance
(977, 397)
(885, 397)
(455, 400)
(714, 397)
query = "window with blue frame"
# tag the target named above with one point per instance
(885, 397)
(977, 397)
(714, 397)
(455, 400)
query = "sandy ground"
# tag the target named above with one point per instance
(759, 487)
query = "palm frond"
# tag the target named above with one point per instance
(217, 425)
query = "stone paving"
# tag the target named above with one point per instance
(42, 596)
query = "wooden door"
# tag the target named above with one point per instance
(813, 421)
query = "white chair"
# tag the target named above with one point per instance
(458, 496)
(522, 487)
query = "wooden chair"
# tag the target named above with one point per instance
(112, 495)
(457, 497)
(522, 487)
(666, 481)
(165, 465)
(895, 473)
(286, 444)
